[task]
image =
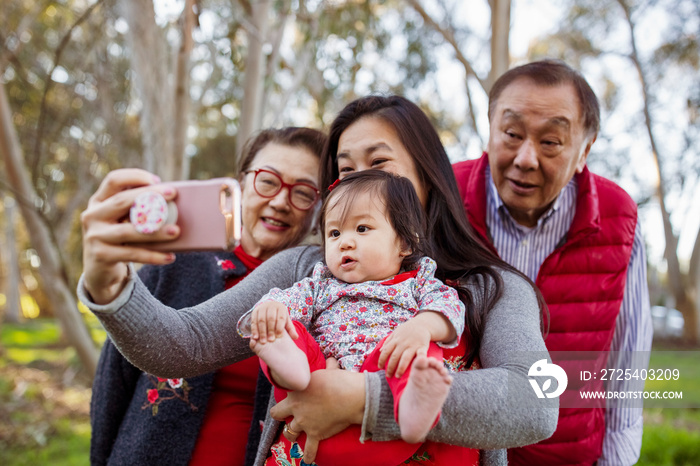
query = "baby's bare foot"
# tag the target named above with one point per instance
(423, 397)
(289, 366)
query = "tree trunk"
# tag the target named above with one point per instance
(149, 60)
(694, 281)
(52, 271)
(254, 80)
(182, 94)
(13, 310)
(685, 301)
(500, 35)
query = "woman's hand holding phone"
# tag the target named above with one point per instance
(107, 238)
(204, 215)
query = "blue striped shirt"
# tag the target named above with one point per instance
(527, 248)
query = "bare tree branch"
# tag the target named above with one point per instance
(447, 32)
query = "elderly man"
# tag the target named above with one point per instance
(575, 234)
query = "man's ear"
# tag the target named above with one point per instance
(584, 153)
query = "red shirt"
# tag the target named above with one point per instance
(224, 433)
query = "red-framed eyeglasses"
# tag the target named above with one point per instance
(268, 184)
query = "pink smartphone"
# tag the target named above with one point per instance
(208, 214)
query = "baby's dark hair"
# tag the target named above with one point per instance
(402, 207)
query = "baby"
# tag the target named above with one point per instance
(374, 305)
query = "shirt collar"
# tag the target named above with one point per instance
(566, 200)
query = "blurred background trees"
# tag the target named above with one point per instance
(176, 86)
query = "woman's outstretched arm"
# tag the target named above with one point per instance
(192, 341)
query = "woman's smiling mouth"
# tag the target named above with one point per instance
(274, 222)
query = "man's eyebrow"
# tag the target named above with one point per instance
(508, 113)
(560, 121)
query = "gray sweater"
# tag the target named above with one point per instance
(491, 409)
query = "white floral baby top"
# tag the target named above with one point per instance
(348, 320)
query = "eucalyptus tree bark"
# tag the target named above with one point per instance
(12, 303)
(150, 63)
(686, 300)
(273, 60)
(304, 66)
(52, 271)
(182, 95)
(254, 80)
(500, 35)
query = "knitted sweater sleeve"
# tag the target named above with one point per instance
(199, 339)
(493, 407)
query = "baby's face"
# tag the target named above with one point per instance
(363, 245)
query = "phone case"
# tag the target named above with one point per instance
(208, 214)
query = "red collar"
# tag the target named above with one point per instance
(400, 277)
(249, 261)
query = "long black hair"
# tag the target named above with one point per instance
(459, 253)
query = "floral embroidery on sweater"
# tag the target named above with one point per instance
(165, 390)
(416, 458)
(226, 264)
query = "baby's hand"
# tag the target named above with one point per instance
(268, 321)
(405, 342)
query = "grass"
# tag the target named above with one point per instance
(44, 402)
(664, 444)
(44, 397)
(688, 380)
(672, 430)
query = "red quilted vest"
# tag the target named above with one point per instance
(583, 283)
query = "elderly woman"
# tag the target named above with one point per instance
(138, 418)
(492, 408)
